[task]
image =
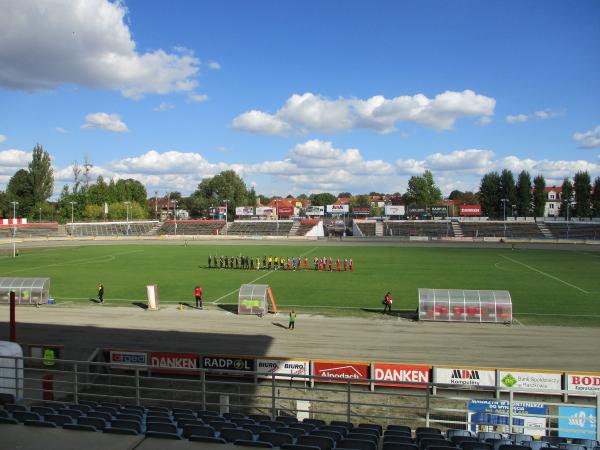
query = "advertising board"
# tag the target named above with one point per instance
(283, 369)
(439, 211)
(264, 211)
(340, 371)
(531, 381)
(127, 358)
(415, 211)
(386, 374)
(577, 422)
(315, 210)
(228, 363)
(461, 376)
(394, 210)
(244, 211)
(285, 211)
(361, 211)
(493, 415)
(470, 210)
(587, 384)
(179, 363)
(338, 209)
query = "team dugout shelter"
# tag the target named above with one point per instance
(28, 291)
(455, 305)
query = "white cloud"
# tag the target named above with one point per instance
(104, 121)
(260, 122)
(588, 139)
(198, 98)
(464, 160)
(59, 130)
(2, 138)
(213, 65)
(164, 106)
(12, 160)
(485, 120)
(314, 113)
(538, 115)
(85, 42)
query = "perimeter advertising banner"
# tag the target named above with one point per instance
(470, 210)
(244, 211)
(283, 369)
(439, 211)
(461, 376)
(338, 209)
(492, 415)
(384, 373)
(361, 211)
(285, 211)
(587, 384)
(127, 358)
(538, 382)
(415, 211)
(264, 211)
(164, 362)
(394, 210)
(577, 422)
(228, 363)
(315, 210)
(340, 371)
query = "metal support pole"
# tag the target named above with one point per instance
(427, 405)
(597, 409)
(13, 318)
(137, 387)
(348, 402)
(75, 385)
(273, 410)
(510, 410)
(203, 381)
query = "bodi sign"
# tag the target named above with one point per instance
(583, 383)
(180, 363)
(339, 371)
(283, 369)
(387, 374)
(228, 363)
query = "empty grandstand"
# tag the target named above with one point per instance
(139, 228)
(574, 230)
(192, 227)
(365, 228)
(418, 228)
(260, 228)
(33, 230)
(509, 229)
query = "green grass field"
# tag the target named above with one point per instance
(547, 286)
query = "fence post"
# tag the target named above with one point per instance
(203, 379)
(510, 410)
(137, 387)
(75, 386)
(427, 408)
(348, 402)
(273, 411)
(597, 409)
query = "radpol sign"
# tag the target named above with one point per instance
(283, 369)
(225, 363)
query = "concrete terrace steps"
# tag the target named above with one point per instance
(544, 230)
(378, 228)
(457, 229)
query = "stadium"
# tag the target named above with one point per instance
(301, 225)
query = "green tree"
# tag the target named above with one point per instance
(227, 185)
(41, 175)
(539, 196)
(596, 198)
(507, 187)
(524, 195)
(583, 194)
(422, 190)
(360, 201)
(344, 195)
(322, 199)
(19, 190)
(490, 195)
(98, 193)
(566, 200)
(455, 195)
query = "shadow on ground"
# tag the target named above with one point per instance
(229, 308)
(140, 305)
(408, 314)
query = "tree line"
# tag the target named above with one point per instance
(29, 190)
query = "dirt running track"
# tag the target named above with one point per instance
(82, 328)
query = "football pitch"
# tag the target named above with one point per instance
(548, 287)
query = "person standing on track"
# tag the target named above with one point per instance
(101, 293)
(198, 295)
(387, 303)
(350, 264)
(291, 325)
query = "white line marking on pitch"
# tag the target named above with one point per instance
(517, 320)
(546, 274)
(556, 315)
(214, 302)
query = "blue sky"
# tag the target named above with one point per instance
(303, 96)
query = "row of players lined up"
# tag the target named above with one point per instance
(279, 263)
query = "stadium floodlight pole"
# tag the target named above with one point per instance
(72, 206)
(14, 203)
(156, 205)
(568, 204)
(40, 215)
(127, 204)
(277, 215)
(504, 200)
(175, 214)
(226, 211)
